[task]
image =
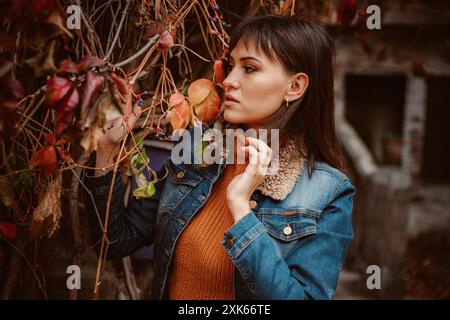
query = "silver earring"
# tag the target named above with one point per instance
(287, 103)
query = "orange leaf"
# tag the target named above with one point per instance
(219, 74)
(204, 99)
(179, 116)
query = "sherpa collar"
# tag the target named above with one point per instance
(279, 185)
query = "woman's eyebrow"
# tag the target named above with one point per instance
(246, 58)
(250, 58)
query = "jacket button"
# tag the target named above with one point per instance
(180, 174)
(287, 230)
(252, 204)
(230, 242)
(181, 221)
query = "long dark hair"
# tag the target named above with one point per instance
(300, 46)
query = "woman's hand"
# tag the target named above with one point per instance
(109, 143)
(115, 130)
(243, 185)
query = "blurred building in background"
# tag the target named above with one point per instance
(393, 118)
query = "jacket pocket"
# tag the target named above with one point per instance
(181, 180)
(289, 225)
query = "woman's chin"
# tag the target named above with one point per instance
(230, 117)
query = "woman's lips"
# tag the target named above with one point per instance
(230, 100)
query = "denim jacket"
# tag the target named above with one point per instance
(290, 247)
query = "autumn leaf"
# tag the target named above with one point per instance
(90, 62)
(346, 11)
(50, 139)
(64, 154)
(204, 99)
(179, 113)
(8, 230)
(46, 216)
(57, 88)
(89, 142)
(66, 111)
(68, 66)
(219, 74)
(63, 96)
(46, 158)
(165, 41)
(12, 87)
(43, 7)
(120, 90)
(104, 111)
(92, 87)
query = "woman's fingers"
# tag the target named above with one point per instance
(264, 150)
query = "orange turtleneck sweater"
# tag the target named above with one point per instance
(200, 267)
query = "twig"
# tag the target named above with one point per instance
(102, 254)
(10, 285)
(118, 31)
(74, 216)
(150, 42)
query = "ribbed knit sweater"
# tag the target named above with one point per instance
(200, 267)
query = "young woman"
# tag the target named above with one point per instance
(228, 231)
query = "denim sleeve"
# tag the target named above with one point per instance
(311, 269)
(129, 228)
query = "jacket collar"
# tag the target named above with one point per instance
(290, 165)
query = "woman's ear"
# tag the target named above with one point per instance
(297, 87)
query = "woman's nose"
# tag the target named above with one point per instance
(230, 82)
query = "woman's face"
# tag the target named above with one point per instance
(255, 87)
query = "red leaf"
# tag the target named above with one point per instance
(165, 41)
(15, 87)
(64, 154)
(46, 157)
(60, 142)
(68, 66)
(19, 5)
(121, 84)
(50, 139)
(43, 7)
(66, 111)
(92, 86)
(57, 89)
(346, 11)
(9, 104)
(8, 230)
(90, 62)
(219, 74)
(120, 91)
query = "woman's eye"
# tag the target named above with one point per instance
(249, 69)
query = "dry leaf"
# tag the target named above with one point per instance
(179, 113)
(47, 215)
